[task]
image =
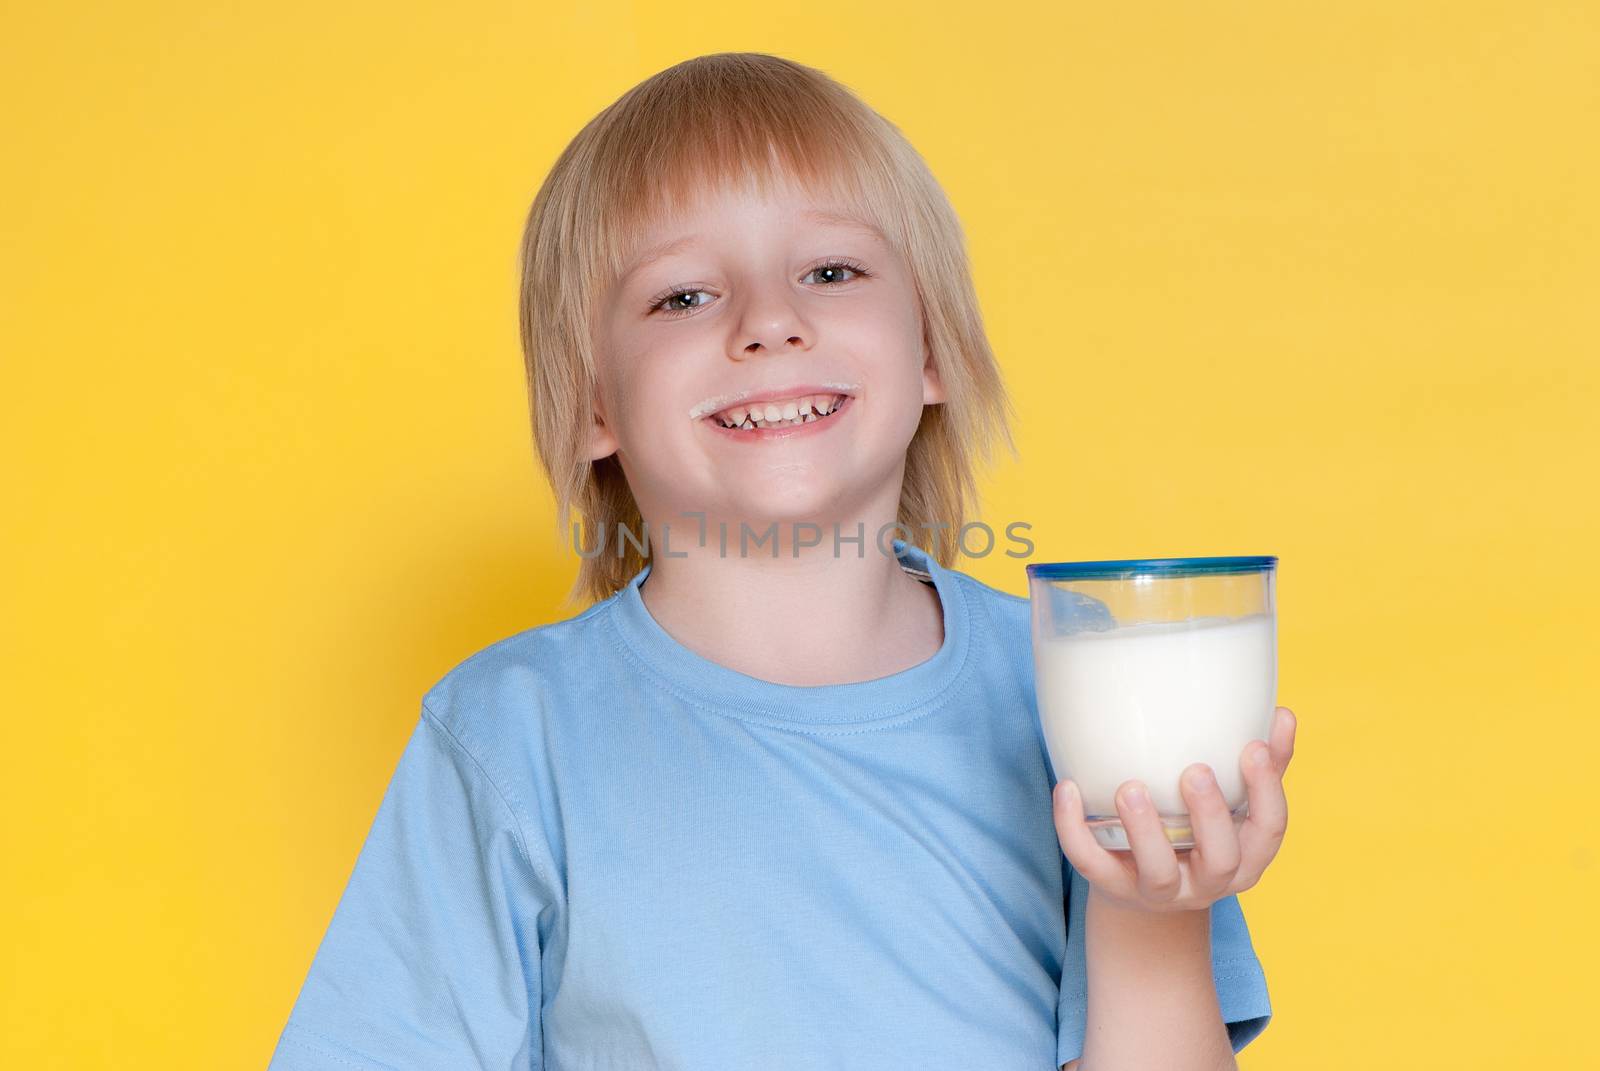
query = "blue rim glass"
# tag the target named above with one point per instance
(1123, 568)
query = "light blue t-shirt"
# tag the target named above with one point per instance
(601, 851)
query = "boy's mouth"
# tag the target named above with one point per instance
(800, 411)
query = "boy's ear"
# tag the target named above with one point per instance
(601, 442)
(932, 385)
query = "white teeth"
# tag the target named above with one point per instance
(802, 410)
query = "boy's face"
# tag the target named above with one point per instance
(763, 306)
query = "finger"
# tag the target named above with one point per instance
(1160, 878)
(1215, 857)
(1263, 830)
(1281, 738)
(1097, 865)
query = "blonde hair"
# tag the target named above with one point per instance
(727, 119)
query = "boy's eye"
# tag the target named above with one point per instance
(835, 267)
(671, 303)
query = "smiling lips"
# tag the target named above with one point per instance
(823, 410)
(780, 412)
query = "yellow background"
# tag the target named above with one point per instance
(1300, 279)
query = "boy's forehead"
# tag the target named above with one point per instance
(670, 235)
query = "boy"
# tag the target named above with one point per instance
(778, 797)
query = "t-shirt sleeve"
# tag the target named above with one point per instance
(1241, 983)
(432, 959)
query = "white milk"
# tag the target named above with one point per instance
(1147, 700)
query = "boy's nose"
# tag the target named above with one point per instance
(756, 345)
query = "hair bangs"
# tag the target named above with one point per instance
(699, 128)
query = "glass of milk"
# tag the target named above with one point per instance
(1146, 666)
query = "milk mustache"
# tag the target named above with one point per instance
(1147, 700)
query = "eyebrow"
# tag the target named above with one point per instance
(675, 245)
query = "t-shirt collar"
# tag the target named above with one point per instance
(713, 685)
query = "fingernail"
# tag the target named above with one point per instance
(1137, 798)
(1200, 778)
(1261, 756)
(1068, 789)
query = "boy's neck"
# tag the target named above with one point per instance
(812, 620)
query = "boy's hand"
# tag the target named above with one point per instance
(1225, 860)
